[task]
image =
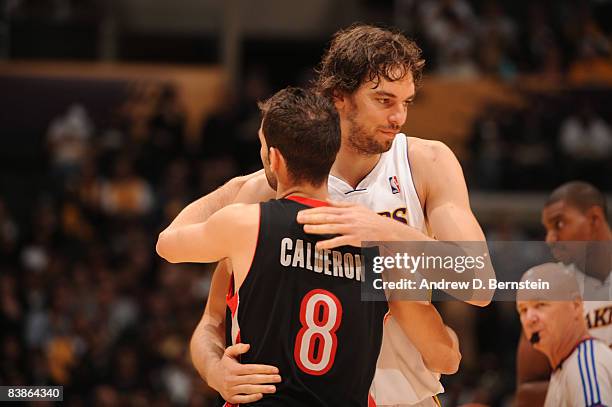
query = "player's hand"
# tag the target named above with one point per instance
(354, 223)
(238, 383)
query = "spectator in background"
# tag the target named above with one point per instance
(256, 88)
(489, 149)
(9, 234)
(68, 140)
(450, 27)
(586, 141)
(592, 64)
(220, 129)
(165, 139)
(540, 36)
(174, 190)
(497, 35)
(532, 153)
(10, 305)
(221, 143)
(87, 188)
(126, 193)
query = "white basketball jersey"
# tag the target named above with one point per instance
(388, 189)
(584, 378)
(598, 314)
(401, 377)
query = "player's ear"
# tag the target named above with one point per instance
(577, 305)
(274, 156)
(595, 215)
(339, 99)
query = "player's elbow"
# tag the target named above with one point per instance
(163, 247)
(443, 361)
(479, 303)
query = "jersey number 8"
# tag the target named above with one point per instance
(316, 342)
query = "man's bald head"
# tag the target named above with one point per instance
(562, 281)
(552, 320)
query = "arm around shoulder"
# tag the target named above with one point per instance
(201, 209)
(204, 242)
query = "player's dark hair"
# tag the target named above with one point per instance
(305, 128)
(581, 195)
(367, 53)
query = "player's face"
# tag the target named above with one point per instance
(373, 115)
(549, 319)
(265, 160)
(565, 223)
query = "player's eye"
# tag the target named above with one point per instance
(383, 101)
(539, 305)
(409, 102)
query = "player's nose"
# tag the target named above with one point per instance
(398, 116)
(551, 236)
(532, 317)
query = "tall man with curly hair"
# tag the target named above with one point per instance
(417, 185)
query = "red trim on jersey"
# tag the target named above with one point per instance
(232, 297)
(371, 402)
(315, 203)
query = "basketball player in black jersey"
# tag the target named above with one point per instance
(300, 308)
(372, 81)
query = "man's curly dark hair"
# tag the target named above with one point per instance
(362, 53)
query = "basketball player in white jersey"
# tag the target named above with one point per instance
(371, 75)
(553, 320)
(575, 212)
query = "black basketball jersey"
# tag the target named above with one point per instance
(300, 309)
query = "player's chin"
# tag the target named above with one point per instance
(562, 255)
(385, 144)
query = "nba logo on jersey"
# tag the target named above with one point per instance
(395, 187)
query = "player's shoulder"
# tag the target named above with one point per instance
(426, 151)
(255, 189)
(239, 215)
(427, 157)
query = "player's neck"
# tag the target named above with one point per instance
(353, 167)
(304, 190)
(598, 260)
(567, 346)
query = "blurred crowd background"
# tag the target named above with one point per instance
(111, 123)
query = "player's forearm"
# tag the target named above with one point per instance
(423, 325)
(531, 394)
(208, 340)
(201, 209)
(207, 347)
(442, 357)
